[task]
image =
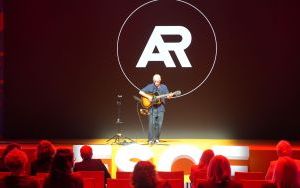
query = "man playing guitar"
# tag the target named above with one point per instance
(157, 109)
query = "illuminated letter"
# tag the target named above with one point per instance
(177, 152)
(133, 151)
(163, 48)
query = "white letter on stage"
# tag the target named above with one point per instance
(133, 151)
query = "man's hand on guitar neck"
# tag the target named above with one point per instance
(170, 96)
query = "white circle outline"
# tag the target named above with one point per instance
(215, 38)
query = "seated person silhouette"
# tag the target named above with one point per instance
(200, 171)
(44, 155)
(89, 164)
(285, 174)
(219, 174)
(7, 149)
(284, 149)
(61, 175)
(15, 161)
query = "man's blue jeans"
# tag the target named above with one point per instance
(155, 123)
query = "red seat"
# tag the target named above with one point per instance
(253, 183)
(174, 179)
(89, 183)
(40, 180)
(199, 174)
(42, 174)
(119, 183)
(197, 182)
(4, 174)
(249, 176)
(170, 183)
(97, 175)
(178, 175)
(171, 175)
(123, 175)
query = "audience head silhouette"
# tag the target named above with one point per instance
(61, 171)
(144, 175)
(10, 147)
(15, 161)
(284, 148)
(219, 169)
(86, 152)
(62, 161)
(207, 155)
(45, 150)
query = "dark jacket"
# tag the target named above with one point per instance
(92, 165)
(40, 166)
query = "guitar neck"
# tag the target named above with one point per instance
(162, 96)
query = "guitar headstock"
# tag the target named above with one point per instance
(176, 93)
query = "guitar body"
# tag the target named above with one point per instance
(146, 103)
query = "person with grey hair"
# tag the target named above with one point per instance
(157, 109)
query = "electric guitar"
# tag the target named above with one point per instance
(156, 100)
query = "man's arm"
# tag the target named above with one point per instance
(170, 94)
(146, 95)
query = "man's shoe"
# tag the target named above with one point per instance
(150, 142)
(156, 141)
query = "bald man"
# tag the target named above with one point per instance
(156, 112)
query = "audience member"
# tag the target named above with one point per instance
(285, 174)
(44, 155)
(15, 161)
(7, 149)
(200, 171)
(219, 174)
(284, 149)
(89, 164)
(144, 175)
(61, 175)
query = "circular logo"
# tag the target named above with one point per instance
(172, 38)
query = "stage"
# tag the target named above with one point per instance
(171, 154)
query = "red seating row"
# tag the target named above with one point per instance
(95, 179)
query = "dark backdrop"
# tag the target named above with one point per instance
(62, 76)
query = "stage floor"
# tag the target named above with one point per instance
(252, 143)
